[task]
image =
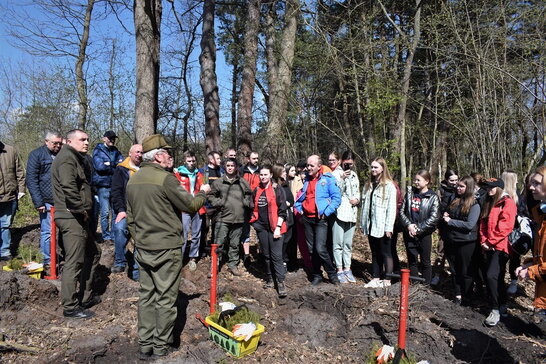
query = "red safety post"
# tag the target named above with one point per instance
(214, 272)
(404, 292)
(53, 247)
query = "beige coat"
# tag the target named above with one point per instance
(12, 174)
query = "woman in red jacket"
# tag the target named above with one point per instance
(497, 220)
(268, 219)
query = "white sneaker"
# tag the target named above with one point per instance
(385, 283)
(513, 287)
(493, 318)
(374, 283)
(435, 280)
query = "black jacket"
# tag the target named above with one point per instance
(463, 228)
(118, 192)
(39, 176)
(429, 212)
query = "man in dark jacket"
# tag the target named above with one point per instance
(155, 201)
(251, 173)
(12, 188)
(231, 196)
(105, 159)
(73, 208)
(123, 171)
(39, 185)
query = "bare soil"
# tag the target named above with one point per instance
(338, 324)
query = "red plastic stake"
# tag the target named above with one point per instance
(214, 272)
(404, 292)
(53, 247)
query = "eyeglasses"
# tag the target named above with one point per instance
(55, 143)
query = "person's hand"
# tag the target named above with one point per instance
(85, 215)
(522, 272)
(388, 234)
(120, 216)
(287, 203)
(277, 233)
(412, 229)
(41, 209)
(486, 247)
(346, 174)
(205, 188)
(354, 201)
(446, 218)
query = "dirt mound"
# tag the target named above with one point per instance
(338, 324)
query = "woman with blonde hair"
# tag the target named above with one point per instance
(377, 220)
(510, 179)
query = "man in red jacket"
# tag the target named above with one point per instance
(191, 180)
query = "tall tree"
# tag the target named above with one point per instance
(209, 85)
(280, 87)
(246, 95)
(147, 17)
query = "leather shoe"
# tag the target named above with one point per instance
(316, 281)
(95, 300)
(5, 258)
(78, 313)
(281, 289)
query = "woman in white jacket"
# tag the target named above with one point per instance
(377, 220)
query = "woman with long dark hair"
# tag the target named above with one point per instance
(461, 219)
(269, 221)
(535, 269)
(289, 250)
(496, 223)
(377, 220)
(419, 216)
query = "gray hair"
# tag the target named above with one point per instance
(149, 156)
(52, 134)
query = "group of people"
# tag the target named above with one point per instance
(311, 206)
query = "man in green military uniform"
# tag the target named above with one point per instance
(155, 201)
(73, 203)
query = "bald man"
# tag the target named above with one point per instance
(318, 202)
(121, 176)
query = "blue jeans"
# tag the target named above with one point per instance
(121, 237)
(45, 233)
(105, 206)
(7, 212)
(194, 223)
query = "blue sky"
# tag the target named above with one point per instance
(110, 28)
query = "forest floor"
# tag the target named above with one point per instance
(338, 324)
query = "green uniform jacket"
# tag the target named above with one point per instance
(71, 191)
(231, 198)
(12, 174)
(155, 201)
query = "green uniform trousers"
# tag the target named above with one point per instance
(82, 255)
(160, 272)
(228, 236)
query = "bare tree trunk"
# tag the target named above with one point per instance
(147, 15)
(246, 95)
(81, 82)
(279, 103)
(271, 59)
(208, 81)
(234, 101)
(401, 119)
(111, 85)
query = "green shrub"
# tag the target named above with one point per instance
(242, 315)
(26, 212)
